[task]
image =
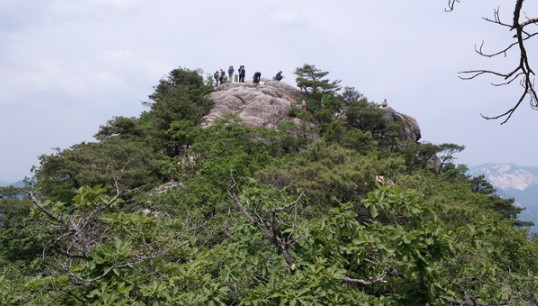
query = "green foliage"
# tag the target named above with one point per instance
(329, 174)
(61, 173)
(180, 96)
(505, 207)
(321, 94)
(228, 147)
(366, 116)
(311, 80)
(250, 216)
(119, 127)
(17, 243)
(101, 255)
(358, 140)
(427, 155)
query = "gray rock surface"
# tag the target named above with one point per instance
(410, 130)
(265, 104)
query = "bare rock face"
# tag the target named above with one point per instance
(257, 105)
(268, 103)
(410, 128)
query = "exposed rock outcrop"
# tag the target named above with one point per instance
(410, 128)
(265, 104)
(164, 188)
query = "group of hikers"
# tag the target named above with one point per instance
(240, 76)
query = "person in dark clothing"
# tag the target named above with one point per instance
(241, 72)
(278, 76)
(231, 73)
(257, 77)
(217, 77)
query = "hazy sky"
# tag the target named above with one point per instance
(67, 66)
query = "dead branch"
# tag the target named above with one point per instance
(522, 71)
(451, 4)
(380, 279)
(80, 232)
(268, 227)
(41, 207)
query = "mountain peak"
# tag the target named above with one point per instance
(268, 103)
(265, 104)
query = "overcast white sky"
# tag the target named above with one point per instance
(67, 66)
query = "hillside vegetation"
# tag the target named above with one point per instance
(159, 211)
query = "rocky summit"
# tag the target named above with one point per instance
(268, 103)
(265, 104)
(410, 129)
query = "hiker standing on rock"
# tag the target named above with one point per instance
(278, 76)
(217, 77)
(257, 77)
(221, 77)
(241, 71)
(231, 73)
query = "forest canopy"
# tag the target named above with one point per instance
(159, 211)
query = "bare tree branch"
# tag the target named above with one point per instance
(283, 243)
(40, 205)
(268, 228)
(451, 4)
(80, 232)
(522, 71)
(380, 279)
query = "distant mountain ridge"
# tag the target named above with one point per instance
(16, 184)
(507, 176)
(514, 181)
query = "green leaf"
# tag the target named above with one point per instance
(373, 211)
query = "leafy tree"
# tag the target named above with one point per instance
(320, 92)
(311, 80)
(99, 255)
(446, 153)
(16, 241)
(329, 174)
(358, 140)
(506, 207)
(368, 117)
(350, 96)
(119, 127)
(249, 216)
(182, 95)
(63, 172)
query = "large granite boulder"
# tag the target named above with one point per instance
(265, 104)
(268, 103)
(410, 129)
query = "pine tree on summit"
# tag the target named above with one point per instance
(310, 80)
